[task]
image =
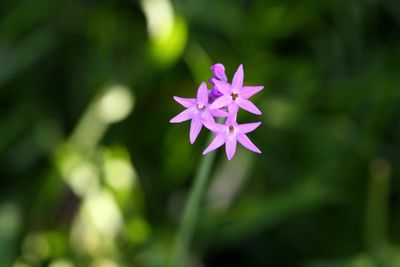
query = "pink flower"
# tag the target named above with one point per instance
(236, 95)
(210, 104)
(198, 111)
(229, 134)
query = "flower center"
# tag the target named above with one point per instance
(231, 129)
(234, 96)
(200, 107)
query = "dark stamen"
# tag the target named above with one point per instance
(234, 96)
(231, 129)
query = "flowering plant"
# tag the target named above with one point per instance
(223, 101)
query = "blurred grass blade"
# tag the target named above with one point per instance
(253, 215)
(192, 210)
(377, 211)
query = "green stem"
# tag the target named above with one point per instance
(377, 211)
(192, 210)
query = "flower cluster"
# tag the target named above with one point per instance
(222, 101)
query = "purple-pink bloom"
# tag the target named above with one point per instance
(219, 72)
(198, 111)
(229, 134)
(213, 103)
(235, 95)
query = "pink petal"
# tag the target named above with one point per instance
(186, 102)
(247, 105)
(207, 116)
(219, 113)
(218, 141)
(230, 146)
(223, 87)
(246, 142)
(237, 81)
(195, 127)
(202, 94)
(233, 108)
(249, 91)
(248, 127)
(231, 120)
(221, 101)
(215, 127)
(185, 115)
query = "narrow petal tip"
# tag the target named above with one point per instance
(185, 102)
(237, 80)
(175, 120)
(248, 127)
(256, 150)
(249, 91)
(249, 106)
(202, 94)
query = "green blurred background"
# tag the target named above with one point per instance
(93, 174)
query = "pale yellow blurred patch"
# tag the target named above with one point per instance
(103, 263)
(20, 263)
(112, 105)
(168, 31)
(97, 225)
(116, 104)
(119, 172)
(61, 263)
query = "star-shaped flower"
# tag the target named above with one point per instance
(236, 95)
(197, 110)
(229, 134)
